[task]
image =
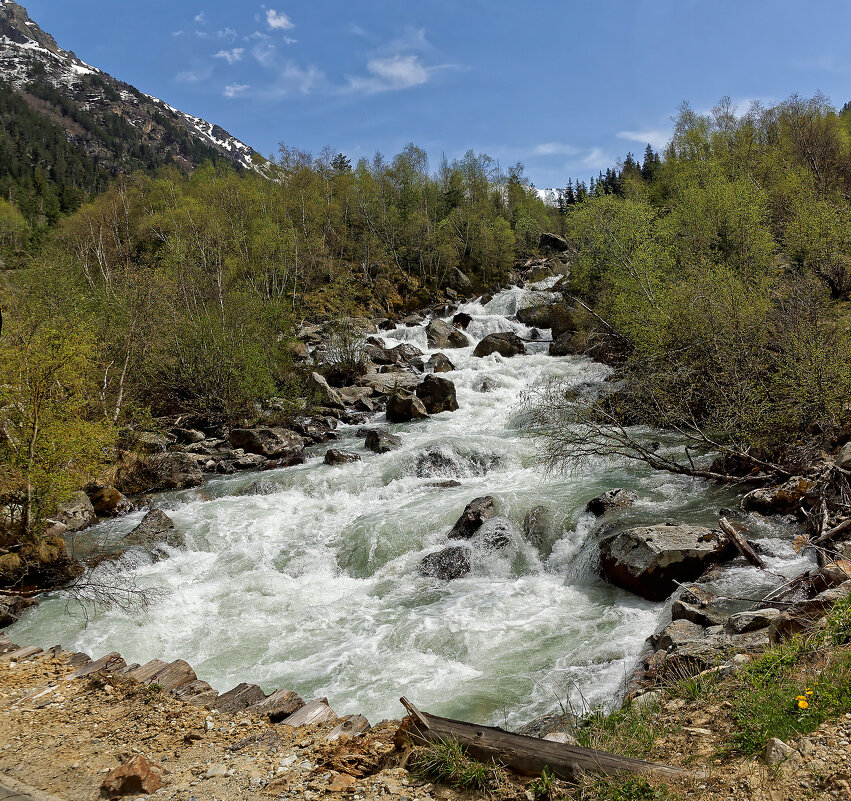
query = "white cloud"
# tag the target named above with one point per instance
(356, 30)
(200, 18)
(596, 159)
(278, 21)
(231, 56)
(264, 53)
(554, 149)
(193, 76)
(224, 33)
(236, 89)
(658, 137)
(392, 73)
(177, 33)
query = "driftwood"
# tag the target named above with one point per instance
(526, 755)
(742, 545)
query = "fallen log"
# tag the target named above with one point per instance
(741, 544)
(525, 755)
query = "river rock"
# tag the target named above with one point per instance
(743, 622)
(156, 527)
(11, 608)
(173, 471)
(279, 705)
(77, 512)
(107, 501)
(487, 384)
(328, 396)
(151, 442)
(450, 563)
(388, 383)
(505, 343)
(439, 363)
(240, 697)
(843, 458)
(404, 353)
(273, 443)
(475, 513)
(462, 320)
(402, 408)
(613, 499)
(380, 441)
(498, 532)
(784, 499)
(441, 334)
(651, 560)
(698, 605)
(134, 777)
(335, 457)
(437, 394)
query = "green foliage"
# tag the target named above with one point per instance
(446, 761)
(52, 436)
(630, 730)
(625, 788)
(543, 788)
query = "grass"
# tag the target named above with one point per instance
(446, 762)
(629, 731)
(793, 688)
(623, 788)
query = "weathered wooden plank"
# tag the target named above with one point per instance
(314, 712)
(525, 755)
(351, 726)
(742, 545)
(149, 669)
(110, 662)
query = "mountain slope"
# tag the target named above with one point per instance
(68, 127)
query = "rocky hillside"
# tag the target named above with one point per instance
(99, 126)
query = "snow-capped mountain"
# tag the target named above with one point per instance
(115, 123)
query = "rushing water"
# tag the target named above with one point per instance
(314, 585)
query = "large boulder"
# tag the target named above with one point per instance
(474, 515)
(156, 527)
(459, 281)
(327, 395)
(550, 241)
(450, 563)
(404, 353)
(402, 408)
(437, 394)
(107, 501)
(537, 527)
(698, 605)
(555, 316)
(505, 343)
(76, 513)
(651, 560)
(462, 320)
(138, 776)
(441, 334)
(336, 457)
(843, 458)
(389, 383)
(379, 441)
(565, 345)
(11, 608)
(173, 471)
(273, 443)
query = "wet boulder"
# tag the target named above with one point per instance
(698, 605)
(441, 334)
(156, 527)
(537, 527)
(77, 512)
(462, 320)
(787, 498)
(474, 515)
(11, 608)
(437, 394)
(487, 384)
(336, 457)
(402, 408)
(379, 441)
(543, 315)
(613, 499)
(404, 353)
(273, 443)
(388, 383)
(439, 363)
(107, 501)
(498, 532)
(450, 563)
(328, 396)
(438, 460)
(505, 343)
(651, 560)
(168, 471)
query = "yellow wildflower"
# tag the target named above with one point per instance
(803, 704)
(809, 692)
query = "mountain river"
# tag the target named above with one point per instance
(312, 584)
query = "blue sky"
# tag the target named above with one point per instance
(565, 87)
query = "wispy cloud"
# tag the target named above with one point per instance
(194, 76)
(391, 73)
(657, 137)
(177, 33)
(231, 56)
(554, 149)
(224, 33)
(236, 89)
(356, 30)
(278, 21)
(596, 159)
(200, 18)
